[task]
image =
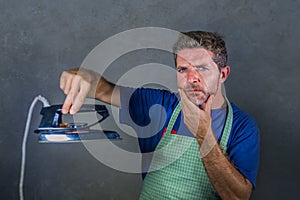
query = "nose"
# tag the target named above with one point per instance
(192, 76)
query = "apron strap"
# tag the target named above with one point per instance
(174, 117)
(227, 127)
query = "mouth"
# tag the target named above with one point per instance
(196, 96)
(195, 92)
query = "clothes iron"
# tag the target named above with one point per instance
(52, 129)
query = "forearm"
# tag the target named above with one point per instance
(226, 179)
(108, 92)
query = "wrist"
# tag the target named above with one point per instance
(206, 143)
(203, 132)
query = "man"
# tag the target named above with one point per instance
(208, 148)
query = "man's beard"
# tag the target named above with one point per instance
(197, 95)
(200, 96)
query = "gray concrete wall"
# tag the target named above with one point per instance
(39, 39)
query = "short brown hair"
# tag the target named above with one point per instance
(211, 41)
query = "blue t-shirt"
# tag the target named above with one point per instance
(148, 112)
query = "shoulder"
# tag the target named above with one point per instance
(243, 121)
(244, 128)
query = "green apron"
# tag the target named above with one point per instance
(176, 170)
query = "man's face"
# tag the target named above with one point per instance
(197, 74)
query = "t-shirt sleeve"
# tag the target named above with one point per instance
(125, 95)
(146, 110)
(244, 147)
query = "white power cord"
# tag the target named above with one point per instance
(45, 104)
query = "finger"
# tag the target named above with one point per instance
(74, 91)
(208, 105)
(189, 109)
(186, 102)
(191, 113)
(68, 83)
(80, 97)
(183, 97)
(63, 80)
(66, 80)
(71, 94)
(67, 104)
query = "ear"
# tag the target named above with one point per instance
(224, 73)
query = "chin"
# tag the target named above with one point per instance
(197, 102)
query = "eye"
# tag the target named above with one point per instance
(181, 69)
(201, 68)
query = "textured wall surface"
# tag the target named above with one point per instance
(39, 39)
